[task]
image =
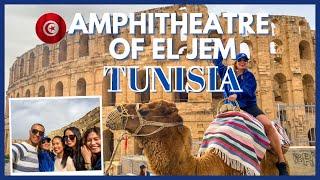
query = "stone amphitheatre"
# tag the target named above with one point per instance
(282, 62)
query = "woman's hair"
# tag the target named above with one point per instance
(90, 130)
(85, 136)
(235, 65)
(76, 152)
(65, 153)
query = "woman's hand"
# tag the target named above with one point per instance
(86, 154)
(232, 97)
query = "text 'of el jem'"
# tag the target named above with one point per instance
(283, 63)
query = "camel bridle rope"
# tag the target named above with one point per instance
(120, 114)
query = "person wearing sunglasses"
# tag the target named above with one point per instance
(45, 156)
(25, 154)
(91, 150)
(63, 161)
(72, 140)
(248, 101)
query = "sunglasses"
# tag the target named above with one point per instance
(71, 137)
(35, 132)
(45, 141)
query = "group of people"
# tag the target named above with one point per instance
(70, 152)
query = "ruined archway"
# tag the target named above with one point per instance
(45, 56)
(84, 45)
(63, 51)
(312, 137)
(308, 89)
(42, 91)
(280, 88)
(276, 51)
(246, 47)
(21, 68)
(81, 87)
(59, 89)
(27, 93)
(31, 63)
(275, 27)
(304, 50)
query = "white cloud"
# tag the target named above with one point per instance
(52, 113)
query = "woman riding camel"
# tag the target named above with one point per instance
(248, 102)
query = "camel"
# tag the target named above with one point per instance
(168, 149)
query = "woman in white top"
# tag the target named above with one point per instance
(63, 161)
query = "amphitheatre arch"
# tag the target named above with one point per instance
(59, 89)
(81, 87)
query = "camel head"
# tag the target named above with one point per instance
(144, 119)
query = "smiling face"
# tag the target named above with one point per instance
(93, 142)
(57, 145)
(242, 65)
(35, 134)
(45, 145)
(70, 139)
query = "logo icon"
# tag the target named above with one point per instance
(50, 28)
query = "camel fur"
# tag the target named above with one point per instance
(169, 151)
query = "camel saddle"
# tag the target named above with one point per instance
(239, 140)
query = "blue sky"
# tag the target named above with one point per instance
(20, 20)
(52, 113)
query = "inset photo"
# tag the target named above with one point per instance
(56, 136)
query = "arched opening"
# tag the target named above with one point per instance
(304, 50)
(18, 95)
(27, 93)
(108, 98)
(246, 47)
(31, 63)
(276, 50)
(280, 91)
(108, 144)
(302, 28)
(275, 27)
(21, 67)
(45, 56)
(41, 92)
(63, 51)
(81, 87)
(180, 96)
(142, 97)
(17, 70)
(59, 89)
(84, 45)
(312, 137)
(308, 89)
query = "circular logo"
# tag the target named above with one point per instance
(50, 28)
